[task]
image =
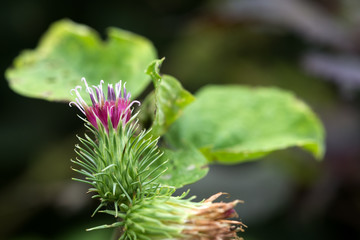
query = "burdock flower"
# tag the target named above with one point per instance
(120, 160)
(178, 218)
(116, 107)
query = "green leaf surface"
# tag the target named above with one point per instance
(170, 98)
(69, 51)
(231, 124)
(186, 165)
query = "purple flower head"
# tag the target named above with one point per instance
(117, 106)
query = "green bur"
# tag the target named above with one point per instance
(167, 217)
(118, 163)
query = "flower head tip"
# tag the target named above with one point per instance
(116, 107)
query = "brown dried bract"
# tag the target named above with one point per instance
(211, 221)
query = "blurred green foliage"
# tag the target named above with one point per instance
(225, 123)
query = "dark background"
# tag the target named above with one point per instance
(308, 47)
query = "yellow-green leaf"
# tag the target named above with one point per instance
(170, 99)
(69, 51)
(232, 124)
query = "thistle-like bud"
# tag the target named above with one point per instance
(169, 217)
(120, 162)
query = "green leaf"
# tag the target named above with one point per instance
(170, 98)
(69, 51)
(186, 165)
(232, 124)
